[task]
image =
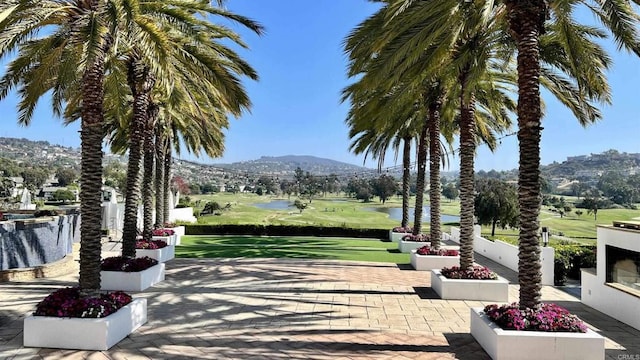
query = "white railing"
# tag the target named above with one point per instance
(506, 254)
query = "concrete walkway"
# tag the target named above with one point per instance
(293, 309)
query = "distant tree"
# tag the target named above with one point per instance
(592, 202)
(299, 205)
(6, 185)
(364, 193)
(496, 203)
(63, 195)
(208, 188)
(9, 167)
(180, 184)
(115, 175)
(579, 213)
(287, 187)
(34, 178)
(194, 189)
(67, 176)
(450, 191)
(268, 184)
(384, 187)
(545, 185)
(210, 207)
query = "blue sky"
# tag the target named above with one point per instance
(296, 104)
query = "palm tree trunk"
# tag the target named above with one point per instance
(406, 178)
(435, 233)
(91, 135)
(159, 181)
(167, 179)
(526, 22)
(422, 164)
(467, 188)
(147, 180)
(140, 86)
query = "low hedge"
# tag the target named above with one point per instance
(569, 259)
(285, 230)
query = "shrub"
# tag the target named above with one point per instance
(547, 317)
(426, 250)
(285, 230)
(569, 258)
(119, 263)
(42, 213)
(475, 273)
(68, 303)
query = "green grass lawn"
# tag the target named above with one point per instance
(290, 247)
(329, 211)
(347, 212)
(581, 229)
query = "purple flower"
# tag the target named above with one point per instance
(427, 250)
(67, 302)
(418, 238)
(400, 229)
(163, 232)
(476, 273)
(119, 263)
(546, 317)
(150, 244)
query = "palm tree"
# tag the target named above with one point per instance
(527, 23)
(70, 57)
(369, 119)
(159, 174)
(186, 51)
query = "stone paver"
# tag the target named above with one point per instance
(292, 309)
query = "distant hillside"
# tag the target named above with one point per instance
(594, 165)
(43, 153)
(287, 165)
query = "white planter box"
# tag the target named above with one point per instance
(84, 334)
(463, 289)
(162, 255)
(533, 345)
(396, 236)
(132, 281)
(407, 246)
(170, 240)
(178, 230)
(430, 262)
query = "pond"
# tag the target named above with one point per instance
(275, 205)
(396, 214)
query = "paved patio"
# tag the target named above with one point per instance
(293, 309)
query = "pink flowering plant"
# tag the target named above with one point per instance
(475, 273)
(546, 317)
(418, 238)
(162, 232)
(169, 225)
(150, 244)
(427, 250)
(400, 229)
(67, 302)
(119, 263)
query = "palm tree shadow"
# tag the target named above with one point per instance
(426, 293)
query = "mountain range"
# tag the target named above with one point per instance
(42, 153)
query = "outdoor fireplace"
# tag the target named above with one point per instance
(623, 267)
(614, 287)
